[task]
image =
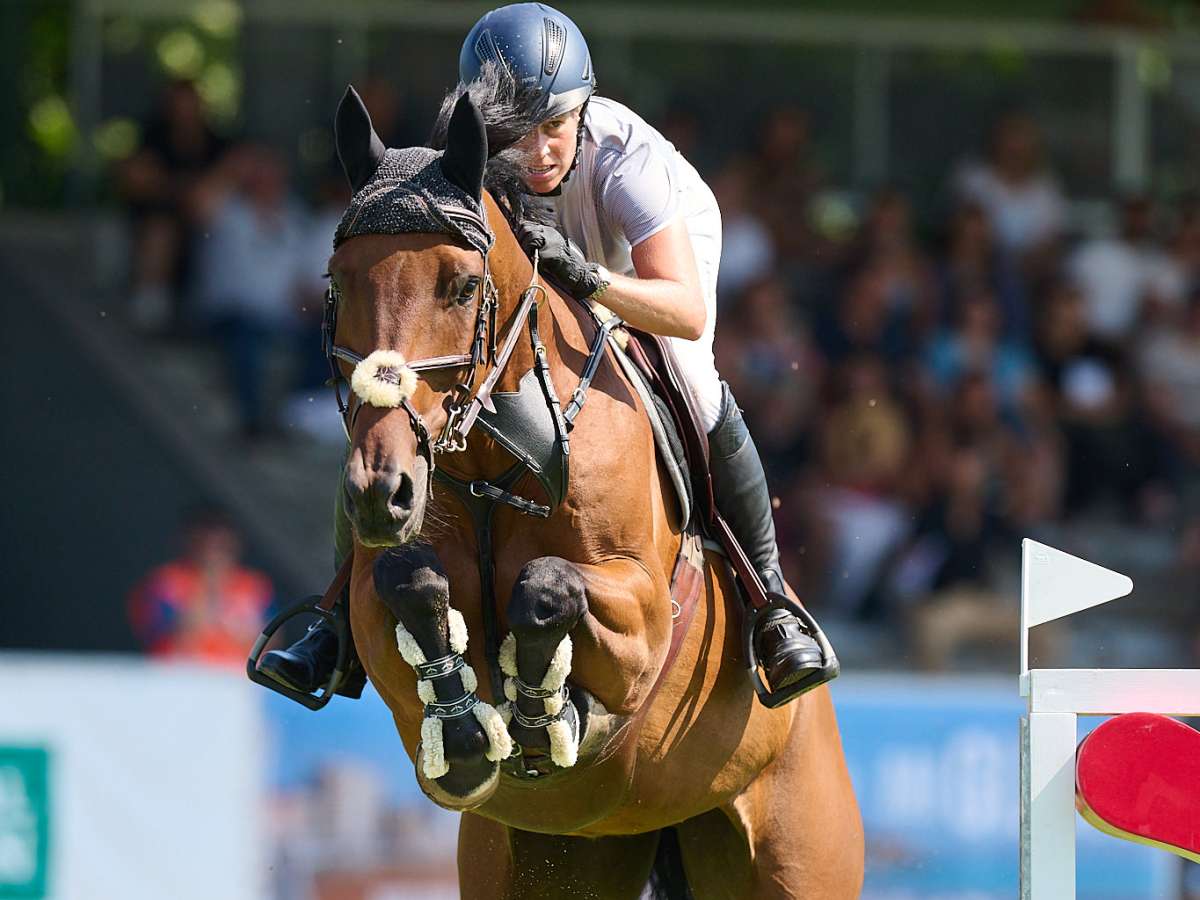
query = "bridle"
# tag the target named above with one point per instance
(466, 402)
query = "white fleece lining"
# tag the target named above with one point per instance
(433, 752)
(458, 631)
(564, 741)
(508, 665)
(373, 390)
(508, 655)
(499, 743)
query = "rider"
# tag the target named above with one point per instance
(639, 229)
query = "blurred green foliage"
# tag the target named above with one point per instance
(35, 121)
(44, 140)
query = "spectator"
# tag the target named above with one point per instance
(865, 447)
(1022, 199)
(682, 126)
(1090, 391)
(1179, 276)
(974, 345)
(254, 269)
(785, 177)
(863, 320)
(1118, 276)
(203, 607)
(972, 261)
(765, 352)
(984, 485)
(316, 419)
(956, 537)
(178, 149)
(747, 248)
(1169, 362)
(889, 247)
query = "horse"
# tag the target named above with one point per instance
(609, 739)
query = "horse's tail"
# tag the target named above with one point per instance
(668, 881)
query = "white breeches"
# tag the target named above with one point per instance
(696, 361)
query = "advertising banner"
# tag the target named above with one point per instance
(24, 821)
(130, 779)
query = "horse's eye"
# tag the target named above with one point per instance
(467, 293)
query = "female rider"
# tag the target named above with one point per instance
(638, 227)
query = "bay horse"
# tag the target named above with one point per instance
(609, 759)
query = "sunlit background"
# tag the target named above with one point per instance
(959, 302)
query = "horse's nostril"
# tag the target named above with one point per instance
(402, 497)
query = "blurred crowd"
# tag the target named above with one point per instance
(925, 389)
(926, 396)
(224, 250)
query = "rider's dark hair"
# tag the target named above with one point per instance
(505, 106)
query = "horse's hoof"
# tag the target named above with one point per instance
(437, 790)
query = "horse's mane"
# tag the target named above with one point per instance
(503, 104)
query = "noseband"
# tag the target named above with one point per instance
(466, 402)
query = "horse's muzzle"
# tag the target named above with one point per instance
(385, 506)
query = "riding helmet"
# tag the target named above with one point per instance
(537, 45)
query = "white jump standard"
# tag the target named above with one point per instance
(1055, 584)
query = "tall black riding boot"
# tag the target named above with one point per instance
(785, 650)
(308, 664)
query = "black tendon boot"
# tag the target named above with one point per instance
(785, 649)
(308, 664)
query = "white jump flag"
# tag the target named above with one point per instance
(1055, 584)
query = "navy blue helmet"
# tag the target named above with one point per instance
(539, 47)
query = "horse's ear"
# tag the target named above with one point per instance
(466, 147)
(358, 146)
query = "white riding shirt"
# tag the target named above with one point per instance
(629, 184)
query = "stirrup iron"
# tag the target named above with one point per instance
(308, 606)
(828, 670)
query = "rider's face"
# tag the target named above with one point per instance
(549, 150)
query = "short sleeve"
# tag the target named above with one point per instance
(640, 195)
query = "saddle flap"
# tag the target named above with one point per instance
(653, 356)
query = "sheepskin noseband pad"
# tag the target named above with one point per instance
(383, 379)
(554, 694)
(433, 752)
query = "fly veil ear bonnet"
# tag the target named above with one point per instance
(415, 189)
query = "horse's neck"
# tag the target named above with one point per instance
(513, 271)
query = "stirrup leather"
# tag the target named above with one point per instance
(828, 670)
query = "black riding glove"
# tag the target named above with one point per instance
(561, 259)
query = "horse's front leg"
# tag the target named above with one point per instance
(462, 738)
(612, 611)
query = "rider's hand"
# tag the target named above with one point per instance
(561, 259)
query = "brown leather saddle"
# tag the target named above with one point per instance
(655, 360)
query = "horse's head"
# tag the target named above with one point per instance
(410, 312)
